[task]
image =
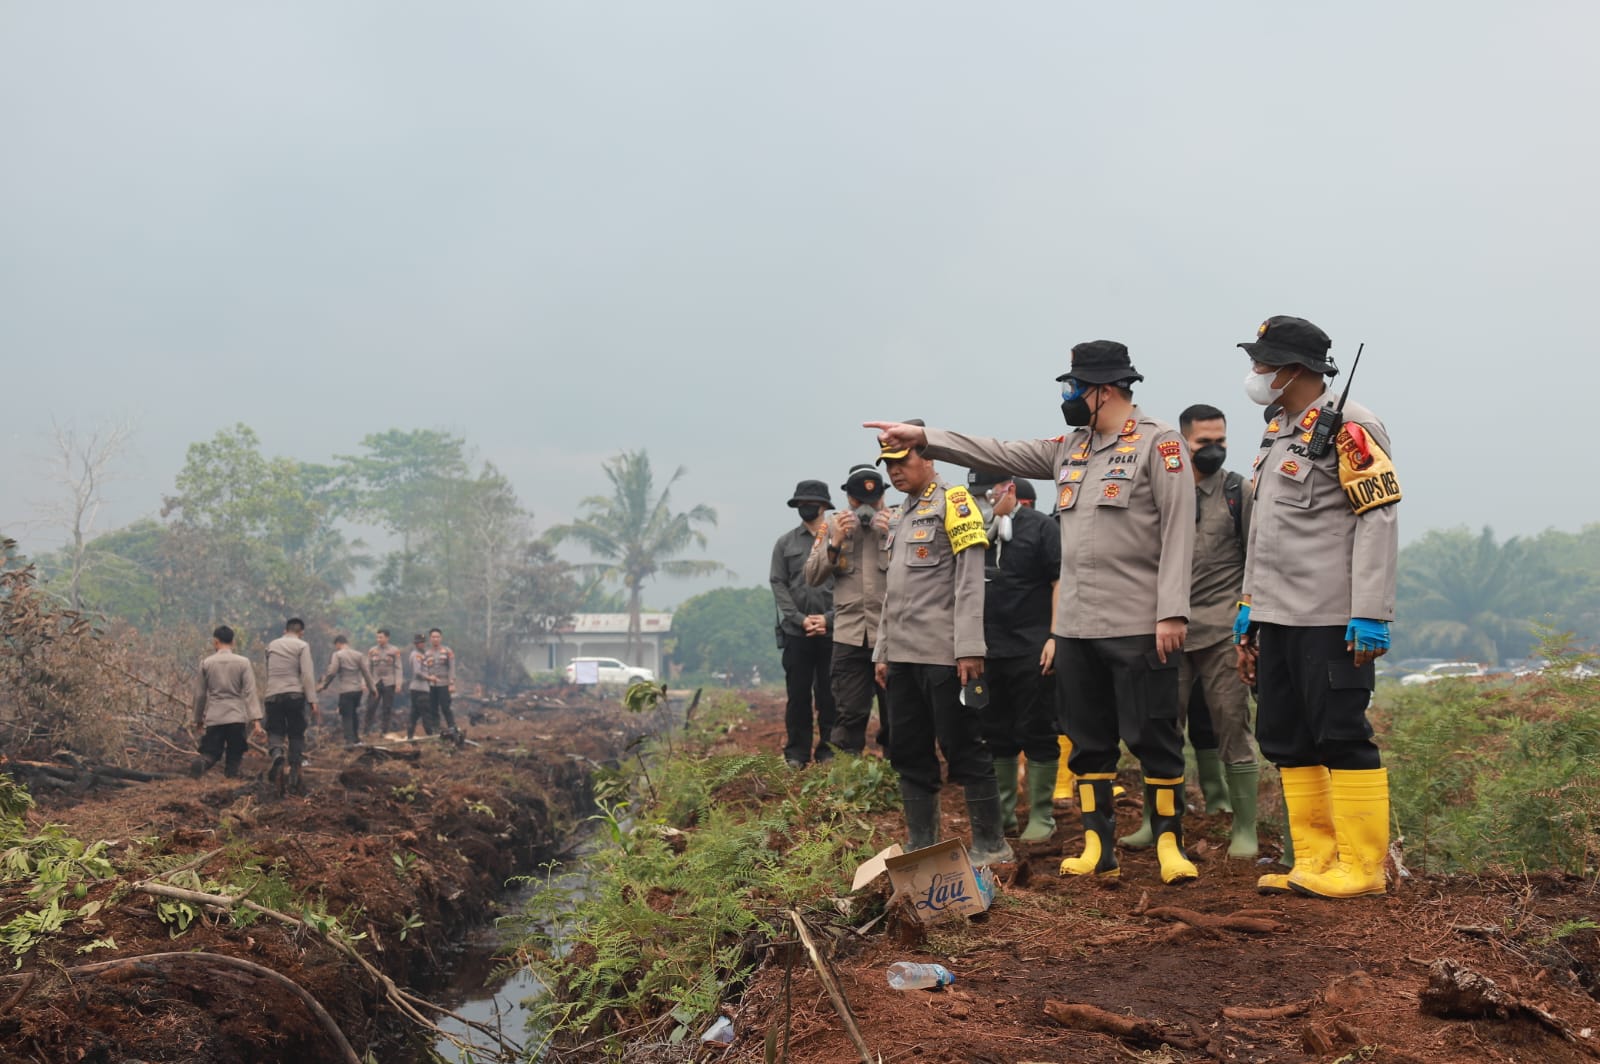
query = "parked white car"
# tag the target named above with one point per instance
(612, 671)
(1444, 670)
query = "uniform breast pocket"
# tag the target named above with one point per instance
(1291, 485)
(1114, 492)
(920, 541)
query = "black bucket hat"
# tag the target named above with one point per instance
(1101, 362)
(1285, 341)
(810, 491)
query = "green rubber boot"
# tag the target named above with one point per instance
(1005, 778)
(1144, 837)
(1213, 784)
(1041, 801)
(1243, 785)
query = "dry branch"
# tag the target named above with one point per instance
(1206, 922)
(835, 994)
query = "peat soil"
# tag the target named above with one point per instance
(384, 841)
(1347, 980)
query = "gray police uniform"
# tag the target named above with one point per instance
(1219, 704)
(933, 615)
(1323, 548)
(1018, 574)
(858, 568)
(1126, 510)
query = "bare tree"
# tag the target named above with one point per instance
(81, 465)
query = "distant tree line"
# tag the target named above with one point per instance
(248, 539)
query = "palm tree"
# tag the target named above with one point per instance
(637, 534)
(1464, 594)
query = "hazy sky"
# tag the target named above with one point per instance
(729, 232)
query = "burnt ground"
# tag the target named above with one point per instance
(1353, 972)
(470, 818)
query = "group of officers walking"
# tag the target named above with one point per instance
(1169, 589)
(227, 710)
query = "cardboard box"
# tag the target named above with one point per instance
(937, 879)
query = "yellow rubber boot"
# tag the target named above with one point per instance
(1361, 831)
(1165, 798)
(1308, 804)
(1099, 857)
(1064, 786)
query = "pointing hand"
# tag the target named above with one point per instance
(898, 433)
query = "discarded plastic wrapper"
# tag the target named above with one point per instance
(719, 1033)
(938, 879)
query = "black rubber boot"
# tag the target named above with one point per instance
(1165, 799)
(1099, 857)
(989, 846)
(922, 817)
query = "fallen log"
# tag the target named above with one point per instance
(1130, 1028)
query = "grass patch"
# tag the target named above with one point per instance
(694, 874)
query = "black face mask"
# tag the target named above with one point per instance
(809, 511)
(1209, 458)
(1077, 412)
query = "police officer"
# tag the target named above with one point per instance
(1218, 703)
(805, 621)
(1126, 510)
(1319, 591)
(291, 691)
(348, 675)
(387, 665)
(225, 705)
(930, 650)
(1021, 567)
(854, 554)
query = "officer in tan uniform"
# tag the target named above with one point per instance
(1319, 591)
(929, 653)
(854, 552)
(348, 675)
(225, 706)
(387, 664)
(1125, 503)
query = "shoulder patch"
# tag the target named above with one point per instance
(1365, 472)
(1171, 452)
(962, 522)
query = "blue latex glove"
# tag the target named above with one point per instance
(1241, 623)
(1367, 634)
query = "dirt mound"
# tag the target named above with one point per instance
(405, 846)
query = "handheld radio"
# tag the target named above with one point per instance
(1331, 418)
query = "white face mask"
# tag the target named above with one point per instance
(1258, 386)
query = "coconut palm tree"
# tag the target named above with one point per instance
(636, 534)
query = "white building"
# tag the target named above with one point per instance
(600, 635)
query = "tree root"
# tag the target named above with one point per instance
(406, 1003)
(149, 963)
(1131, 1028)
(1455, 991)
(1254, 925)
(1274, 1012)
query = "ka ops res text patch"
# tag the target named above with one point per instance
(962, 521)
(1365, 472)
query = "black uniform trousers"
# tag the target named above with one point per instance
(286, 719)
(382, 698)
(422, 712)
(1116, 688)
(1021, 715)
(440, 697)
(1202, 733)
(925, 708)
(1311, 699)
(229, 739)
(854, 687)
(350, 715)
(807, 664)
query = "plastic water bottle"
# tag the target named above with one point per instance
(909, 975)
